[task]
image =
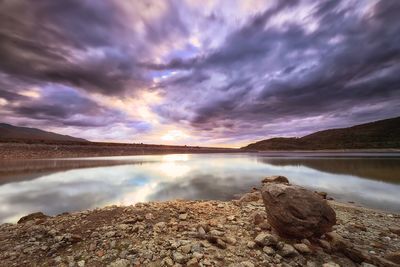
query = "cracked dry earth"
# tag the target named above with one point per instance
(195, 233)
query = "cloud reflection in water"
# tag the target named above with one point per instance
(217, 176)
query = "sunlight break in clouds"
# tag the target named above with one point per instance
(223, 73)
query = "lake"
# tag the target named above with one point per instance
(64, 185)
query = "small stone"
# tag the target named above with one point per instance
(123, 226)
(251, 244)
(306, 241)
(123, 254)
(120, 263)
(92, 247)
(288, 251)
(268, 250)
(192, 263)
(216, 233)
(330, 264)
(258, 218)
(167, 261)
(302, 248)
(81, 263)
(198, 255)
(148, 216)
(100, 253)
(265, 239)
(160, 225)
(75, 238)
(110, 234)
(196, 247)
(201, 231)
(186, 248)
(325, 244)
(231, 218)
(183, 216)
(178, 257)
(221, 244)
(364, 264)
(247, 264)
(230, 240)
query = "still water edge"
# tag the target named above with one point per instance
(371, 181)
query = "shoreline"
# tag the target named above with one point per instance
(65, 150)
(168, 234)
(23, 151)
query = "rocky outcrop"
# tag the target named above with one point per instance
(294, 211)
(275, 179)
(33, 216)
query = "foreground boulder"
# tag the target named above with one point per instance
(275, 179)
(294, 211)
(33, 216)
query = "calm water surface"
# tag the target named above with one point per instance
(55, 186)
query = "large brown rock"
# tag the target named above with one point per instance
(294, 211)
(275, 179)
(33, 216)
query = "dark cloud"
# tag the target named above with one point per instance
(330, 63)
(87, 44)
(64, 106)
(350, 61)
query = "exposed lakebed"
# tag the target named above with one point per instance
(62, 185)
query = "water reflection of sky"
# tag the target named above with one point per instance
(216, 176)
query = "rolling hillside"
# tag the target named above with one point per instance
(10, 132)
(374, 135)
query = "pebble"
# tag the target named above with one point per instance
(302, 248)
(265, 239)
(288, 251)
(251, 244)
(186, 248)
(183, 216)
(268, 250)
(230, 240)
(167, 261)
(201, 231)
(192, 263)
(110, 234)
(178, 257)
(120, 263)
(330, 264)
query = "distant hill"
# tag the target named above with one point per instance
(374, 135)
(10, 132)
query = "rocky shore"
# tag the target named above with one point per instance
(236, 233)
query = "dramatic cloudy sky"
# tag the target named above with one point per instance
(199, 72)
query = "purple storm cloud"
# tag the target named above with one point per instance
(198, 72)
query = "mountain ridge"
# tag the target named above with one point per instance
(372, 135)
(11, 132)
